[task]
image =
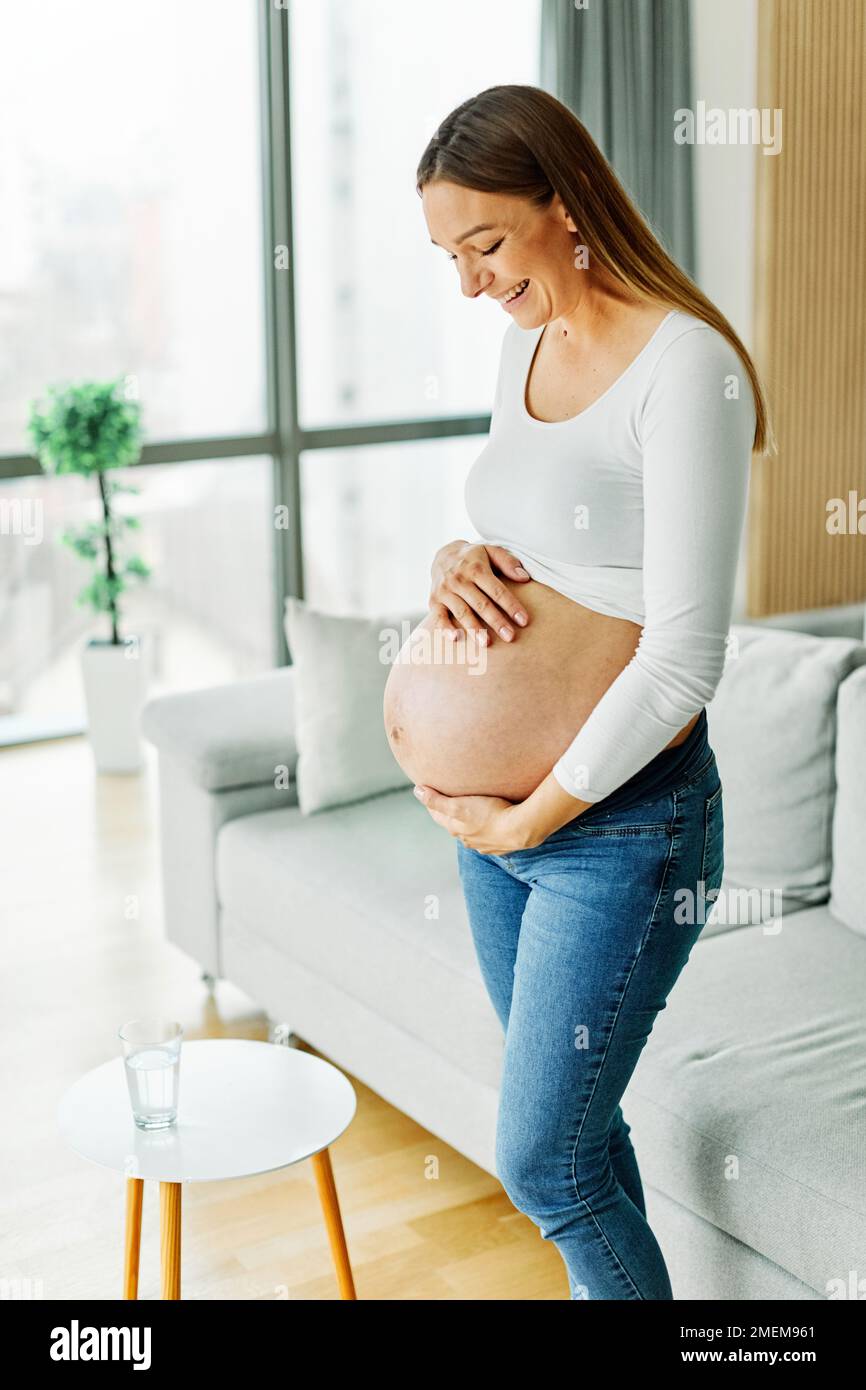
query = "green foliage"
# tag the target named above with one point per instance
(88, 428)
(102, 593)
(135, 565)
(91, 429)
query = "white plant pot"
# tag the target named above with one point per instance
(115, 688)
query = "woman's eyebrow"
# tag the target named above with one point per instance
(482, 227)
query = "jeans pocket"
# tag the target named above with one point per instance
(713, 857)
(649, 817)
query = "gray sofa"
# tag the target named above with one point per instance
(748, 1105)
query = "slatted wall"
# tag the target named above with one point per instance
(810, 304)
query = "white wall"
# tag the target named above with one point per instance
(724, 74)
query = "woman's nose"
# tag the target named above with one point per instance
(474, 283)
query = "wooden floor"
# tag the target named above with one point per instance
(83, 950)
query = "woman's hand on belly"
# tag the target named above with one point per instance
(465, 593)
(493, 825)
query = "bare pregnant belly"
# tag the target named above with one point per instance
(494, 720)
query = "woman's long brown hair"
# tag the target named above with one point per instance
(522, 141)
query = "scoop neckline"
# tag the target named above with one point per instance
(557, 424)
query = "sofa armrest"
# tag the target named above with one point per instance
(232, 735)
(848, 883)
(221, 755)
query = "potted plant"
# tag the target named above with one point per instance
(93, 429)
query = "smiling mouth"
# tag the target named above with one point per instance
(517, 292)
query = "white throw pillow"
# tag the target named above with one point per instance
(341, 667)
(772, 726)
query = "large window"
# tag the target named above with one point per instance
(383, 330)
(131, 236)
(131, 244)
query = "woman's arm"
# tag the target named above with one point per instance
(696, 428)
(547, 809)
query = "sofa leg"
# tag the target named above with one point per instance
(282, 1035)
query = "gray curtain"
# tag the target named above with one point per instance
(623, 67)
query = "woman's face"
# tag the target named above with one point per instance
(505, 247)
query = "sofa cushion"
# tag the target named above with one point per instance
(772, 725)
(369, 897)
(748, 1104)
(341, 666)
(848, 883)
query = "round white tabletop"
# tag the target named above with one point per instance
(243, 1107)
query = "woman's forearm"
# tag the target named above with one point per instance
(546, 809)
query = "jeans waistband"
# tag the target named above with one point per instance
(667, 771)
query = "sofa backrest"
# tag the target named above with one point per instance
(837, 620)
(848, 881)
(772, 725)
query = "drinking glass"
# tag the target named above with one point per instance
(151, 1053)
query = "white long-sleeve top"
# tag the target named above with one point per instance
(634, 508)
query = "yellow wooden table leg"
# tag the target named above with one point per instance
(169, 1238)
(132, 1241)
(333, 1222)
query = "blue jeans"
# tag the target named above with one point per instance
(580, 941)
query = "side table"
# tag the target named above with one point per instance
(244, 1107)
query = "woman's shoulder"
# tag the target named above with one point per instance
(684, 339)
(695, 373)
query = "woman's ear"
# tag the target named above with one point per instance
(563, 212)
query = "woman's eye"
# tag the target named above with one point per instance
(489, 252)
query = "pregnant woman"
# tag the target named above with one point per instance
(572, 764)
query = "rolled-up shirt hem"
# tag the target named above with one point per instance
(569, 785)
